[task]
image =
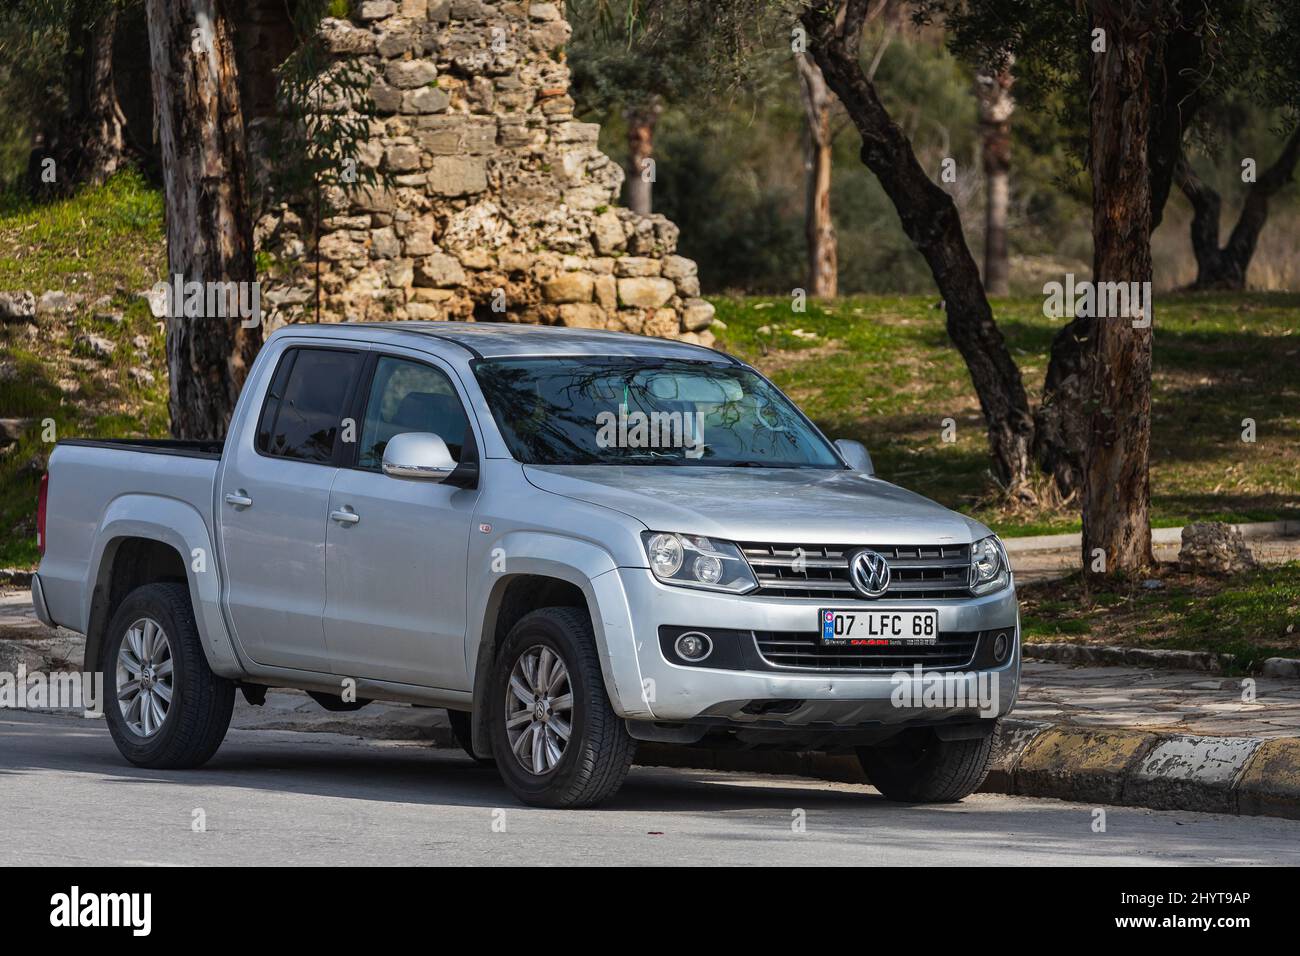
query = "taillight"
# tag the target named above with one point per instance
(40, 512)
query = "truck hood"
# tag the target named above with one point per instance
(790, 505)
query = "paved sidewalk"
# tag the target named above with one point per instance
(1186, 702)
(1086, 696)
(18, 617)
(294, 710)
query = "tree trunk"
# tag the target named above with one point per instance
(209, 229)
(819, 228)
(641, 121)
(86, 141)
(1116, 484)
(1207, 208)
(1178, 81)
(995, 108)
(103, 144)
(1225, 268)
(1061, 420)
(929, 218)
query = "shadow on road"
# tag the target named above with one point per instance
(709, 805)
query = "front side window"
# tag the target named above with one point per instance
(305, 404)
(409, 397)
(646, 411)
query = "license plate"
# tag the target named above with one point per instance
(878, 628)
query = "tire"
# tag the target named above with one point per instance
(918, 767)
(199, 711)
(598, 753)
(462, 729)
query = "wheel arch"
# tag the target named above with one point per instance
(534, 578)
(146, 539)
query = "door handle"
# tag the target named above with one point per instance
(345, 517)
(239, 499)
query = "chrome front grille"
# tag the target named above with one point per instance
(917, 572)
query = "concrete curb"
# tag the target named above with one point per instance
(1208, 661)
(1239, 775)
(15, 578)
(1130, 656)
(1058, 542)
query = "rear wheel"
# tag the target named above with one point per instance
(164, 706)
(918, 767)
(557, 740)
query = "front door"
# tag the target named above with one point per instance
(272, 503)
(396, 548)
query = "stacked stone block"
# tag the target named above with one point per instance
(495, 203)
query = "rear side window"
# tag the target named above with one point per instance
(306, 404)
(409, 397)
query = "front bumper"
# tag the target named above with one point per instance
(646, 686)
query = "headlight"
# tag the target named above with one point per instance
(697, 562)
(989, 569)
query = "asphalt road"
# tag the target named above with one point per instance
(275, 798)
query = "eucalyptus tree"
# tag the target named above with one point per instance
(1130, 77)
(209, 221)
(321, 119)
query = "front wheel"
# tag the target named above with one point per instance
(918, 767)
(557, 740)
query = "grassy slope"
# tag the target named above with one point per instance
(103, 242)
(1256, 615)
(883, 371)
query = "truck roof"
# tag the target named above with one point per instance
(501, 339)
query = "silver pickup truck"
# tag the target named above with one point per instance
(571, 540)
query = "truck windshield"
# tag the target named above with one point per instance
(637, 411)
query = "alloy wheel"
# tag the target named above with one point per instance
(145, 677)
(539, 709)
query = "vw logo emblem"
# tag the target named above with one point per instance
(870, 573)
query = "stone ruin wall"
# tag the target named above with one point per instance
(494, 192)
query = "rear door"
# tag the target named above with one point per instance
(273, 503)
(396, 549)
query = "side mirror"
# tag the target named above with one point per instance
(420, 455)
(855, 455)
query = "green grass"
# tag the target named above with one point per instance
(55, 245)
(106, 241)
(1255, 615)
(882, 370)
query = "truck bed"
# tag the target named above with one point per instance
(154, 446)
(96, 493)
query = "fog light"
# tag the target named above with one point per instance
(1001, 644)
(693, 646)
